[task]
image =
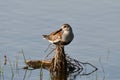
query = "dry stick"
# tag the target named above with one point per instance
(48, 47)
(59, 60)
(58, 66)
(91, 71)
(79, 66)
(25, 74)
(73, 67)
(58, 63)
(5, 59)
(49, 53)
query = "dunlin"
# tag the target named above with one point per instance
(62, 36)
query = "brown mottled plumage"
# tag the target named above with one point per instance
(63, 36)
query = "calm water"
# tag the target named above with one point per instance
(96, 25)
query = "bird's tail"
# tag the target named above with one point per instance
(45, 36)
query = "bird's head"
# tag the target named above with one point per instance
(66, 27)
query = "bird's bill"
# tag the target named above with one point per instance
(60, 29)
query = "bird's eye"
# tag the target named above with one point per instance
(65, 26)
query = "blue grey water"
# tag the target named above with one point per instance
(96, 26)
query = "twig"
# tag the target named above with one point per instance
(49, 53)
(48, 47)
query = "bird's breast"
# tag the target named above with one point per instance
(67, 36)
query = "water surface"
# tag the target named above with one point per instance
(95, 25)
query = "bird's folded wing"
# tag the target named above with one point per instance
(55, 32)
